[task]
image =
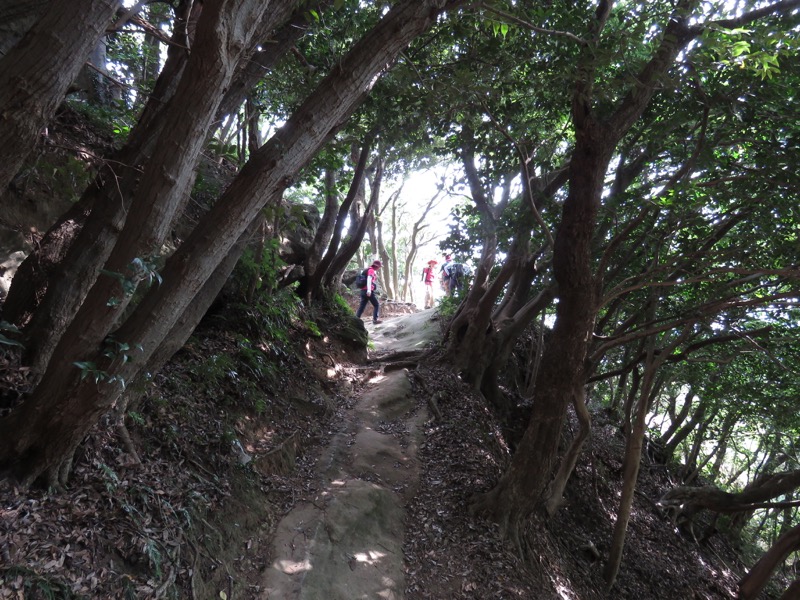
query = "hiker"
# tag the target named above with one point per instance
(428, 276)
(445, 273)
(369, 294)
(457, 273)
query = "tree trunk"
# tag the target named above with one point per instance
(393, 264)
(325, 229)
(39, 435)
(671, 443)
(570, 459)
(35, 74)
(722, 445)
(275, 44)
(563, 367)
(333, 276)
(222, 34)
(16, 18)
(561, 376)
(633, 447)
(322, 271)
(89, 237)
(678, 419)
(751, 584)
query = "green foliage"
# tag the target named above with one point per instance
(90, 370)
(341, 304)
(142, 269)
(270, 318)
(448, 306)
(257, 271)
(224, 150)
(31, 584)
(735, 48)
(217, 369)
(119, 350)
(9, 328)
(68, 176)
(313, 328)
(206, 186)
(113, 120)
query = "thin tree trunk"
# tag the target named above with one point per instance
(571, 457)
(393, 264)
(721, 448)
(334, 274)
(633, 447)
(681, 434)
(314, 285)
(678, 419)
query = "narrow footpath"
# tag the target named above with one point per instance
(347, 543)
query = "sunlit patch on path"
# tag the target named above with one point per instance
(347, 542)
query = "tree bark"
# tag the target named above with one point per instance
(37, 437)
(633, 449)
(318, 268)
(570, 459)
(16, 18)
(751, 584)
(333, 276)
(87, 233)
(561, 374)
(35, 74)
(563, 368)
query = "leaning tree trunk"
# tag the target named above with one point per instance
(350, 247)
(84, 237)
(33, 84)
(751, 584)
(469, 336)
(37, 439)
(633, 448)
(16, 18)
(313, 285)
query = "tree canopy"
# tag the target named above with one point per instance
(630, 213)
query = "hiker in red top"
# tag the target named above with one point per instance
(368, 293)
(428, 276)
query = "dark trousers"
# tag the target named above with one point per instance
(373, 298)
(455, 285)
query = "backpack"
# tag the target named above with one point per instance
(361, 280)
(456, 270)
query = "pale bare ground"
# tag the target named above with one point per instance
(347, 542)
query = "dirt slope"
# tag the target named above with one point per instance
(349, 481)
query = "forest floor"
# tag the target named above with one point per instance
(352, 479)
(305, 467)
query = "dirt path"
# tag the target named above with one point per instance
(347, 543)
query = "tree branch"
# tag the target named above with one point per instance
(528, 25)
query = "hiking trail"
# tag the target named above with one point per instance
(347, 543)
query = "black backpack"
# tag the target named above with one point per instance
(456, 270)
(361, 279)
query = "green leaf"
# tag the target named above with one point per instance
(9, 342)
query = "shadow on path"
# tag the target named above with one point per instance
(347, 543)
